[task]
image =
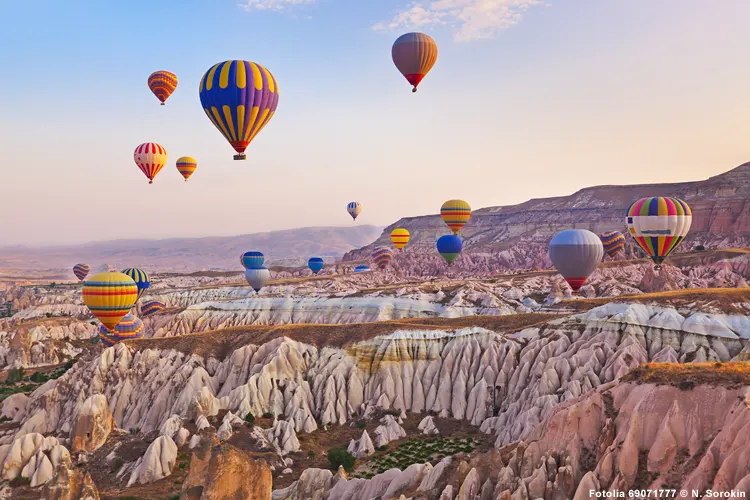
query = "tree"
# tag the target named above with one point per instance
(339, 456)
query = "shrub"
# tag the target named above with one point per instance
(268, 415)
(339, 456)
(310, 453)
(49, 315)
(250, 419)
(361, 424)
(135, 430)
(116, 466)
(14, 375)
(382, 448)
(37, 377)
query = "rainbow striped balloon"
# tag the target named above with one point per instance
(109, 296)
(186, 165)
(455, 214)
(613, 241)
(151, 307)
(81, 271)
(150, 158)
(140, 277)
(240, 98)
(128, 328)
(162, 84)
(382, 257)
(659, 224)
(400, 237)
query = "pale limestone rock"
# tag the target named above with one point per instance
(156, 463)
(92, 424)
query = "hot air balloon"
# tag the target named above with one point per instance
(315, 264)
(400, 237)
(128, 328)
(613, 241)
(162, 84)
(150, 158)
(151, 307)
(449, 246)
(382, 257)
(257, 278)
(240, 98)
(109, 296)
(659, 224)
(576, 253)
(354, 208)
(414, 54)
(81, 271)
(455, 214)
(140, 277)
(361, 269)
(252, 260)
(186, 165)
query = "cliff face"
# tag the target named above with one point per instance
(720, 204)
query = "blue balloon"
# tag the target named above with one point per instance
(361, 269)
(449, 246)
(315, 264)
(252, 260)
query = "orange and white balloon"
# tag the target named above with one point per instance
(150, 158)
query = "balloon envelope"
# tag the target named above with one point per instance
(109, 296)
(455, 214)
(414, 54)
(613, 241)
(576, 253)
(186, 165)
(252, 260)
(659, 224)
(128, 328)
(354, 208)
(140, 277)
(382, 257)
(449, 246)
(162, 84)
(150, 158)
(315, 264)
(151, 307)
(81, 271)
(400, 237)
(240, 98)
(361, 269)
(257, 278)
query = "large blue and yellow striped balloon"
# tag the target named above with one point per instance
(613, 242)
(240, 98)
(659, 224)
(140, 277)
(81, 271)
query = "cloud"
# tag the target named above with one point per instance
(472, 19)
(277, 5)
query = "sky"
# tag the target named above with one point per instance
(528, 99)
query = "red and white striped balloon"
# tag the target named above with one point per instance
(150, 158)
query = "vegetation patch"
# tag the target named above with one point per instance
(685, 376)
(419, 451)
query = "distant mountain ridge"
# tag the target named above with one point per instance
(287, 247)
(720, 206)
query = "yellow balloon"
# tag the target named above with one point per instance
(109, 296)
(400, 237)
(455, 214)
